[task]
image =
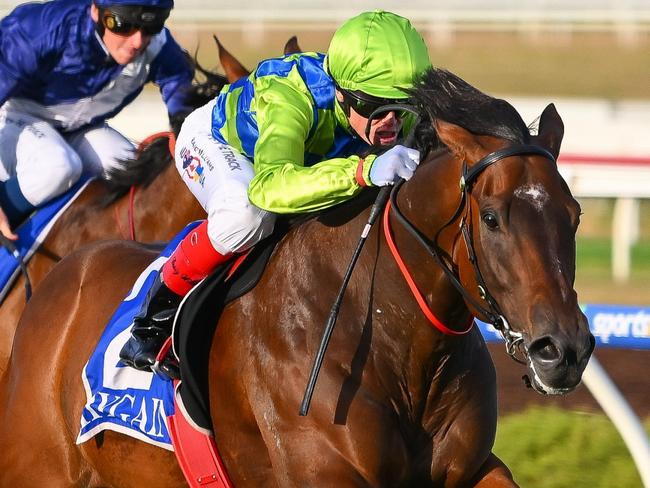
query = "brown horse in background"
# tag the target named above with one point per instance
(398, 402)
(160, 210)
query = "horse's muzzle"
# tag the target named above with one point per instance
(556, 363)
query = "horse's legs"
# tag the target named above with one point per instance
(494, 474)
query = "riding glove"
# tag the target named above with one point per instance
(398, 161)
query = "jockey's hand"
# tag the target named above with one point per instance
(5, 229)
(398, 161)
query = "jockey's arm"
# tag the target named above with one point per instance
(19, 58)
(282, 183)
(173, 72)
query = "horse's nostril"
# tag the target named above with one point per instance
(544, 350)
(584, 352)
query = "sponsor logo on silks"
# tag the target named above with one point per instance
(192, 166)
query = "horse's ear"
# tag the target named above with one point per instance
(233, 68)
(292, 46)
(460, 141)
(551, 130)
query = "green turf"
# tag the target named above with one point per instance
(594, 256)
(553, 448)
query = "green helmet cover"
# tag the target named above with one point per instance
(378, 53)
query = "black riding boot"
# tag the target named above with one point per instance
(152, 325)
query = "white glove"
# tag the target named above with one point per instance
(397, 161)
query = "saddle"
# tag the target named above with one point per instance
(197, 320)
(199, 312)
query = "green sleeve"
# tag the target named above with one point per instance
(282, 184)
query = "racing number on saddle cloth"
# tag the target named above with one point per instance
(112, 377)
(120, 398)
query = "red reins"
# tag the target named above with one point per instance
(422, 303)
(141, 147)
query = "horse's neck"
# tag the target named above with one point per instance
(417, 351)
(84, 221)
(159, 211)
(428, 202)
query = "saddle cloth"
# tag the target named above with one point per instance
(138, 403)
(32, 233)
(120, 398)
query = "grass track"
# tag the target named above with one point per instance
(553, 448)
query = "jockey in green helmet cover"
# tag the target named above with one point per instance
(287, 139)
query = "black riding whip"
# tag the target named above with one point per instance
(375, 211)
(11, 247)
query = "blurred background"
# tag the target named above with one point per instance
(590, 58)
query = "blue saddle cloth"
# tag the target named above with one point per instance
(120, 398)
(32, 233)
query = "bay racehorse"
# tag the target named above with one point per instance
(398, 401)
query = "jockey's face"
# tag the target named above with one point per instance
(383, 130)
(123, 48)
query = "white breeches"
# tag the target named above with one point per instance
(218, 176)
(48, 162)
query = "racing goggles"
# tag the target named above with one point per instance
(364, 104)
(126, 21)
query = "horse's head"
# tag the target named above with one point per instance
(519, 221)
(508, 230)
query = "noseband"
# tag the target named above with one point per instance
(469, 175)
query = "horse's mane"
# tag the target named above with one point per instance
(155, 156)
(440, 94)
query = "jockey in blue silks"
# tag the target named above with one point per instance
(65, 67)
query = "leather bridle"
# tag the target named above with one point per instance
(469, 175)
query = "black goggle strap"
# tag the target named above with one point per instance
(396, 107)
(359, 102)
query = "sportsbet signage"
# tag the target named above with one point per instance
(617, 326)
(612, 326)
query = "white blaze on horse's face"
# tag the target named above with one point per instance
(535, 194)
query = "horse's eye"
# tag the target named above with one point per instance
(490, 220)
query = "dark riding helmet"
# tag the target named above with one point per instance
(377, 53)
(126, 16)
(163, 4)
